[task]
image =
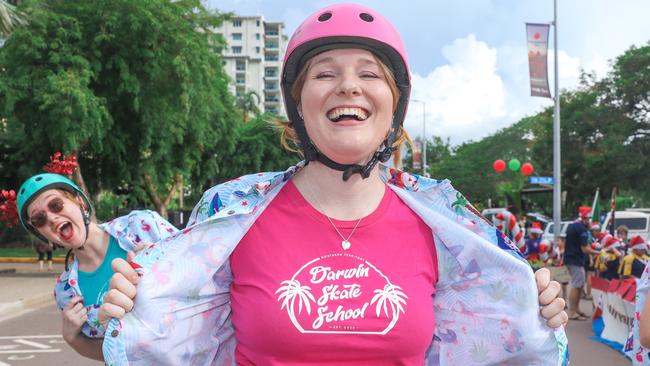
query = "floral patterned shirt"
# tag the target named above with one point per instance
(486, 305)
(130, 230)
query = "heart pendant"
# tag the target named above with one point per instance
(346, 244)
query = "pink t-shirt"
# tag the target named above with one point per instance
(298, 297)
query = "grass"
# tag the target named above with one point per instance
(26, 252)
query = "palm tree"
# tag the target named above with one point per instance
(248, 103)
(9, 18)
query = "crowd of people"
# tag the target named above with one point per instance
(584, 250)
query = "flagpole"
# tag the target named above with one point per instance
(557, 186)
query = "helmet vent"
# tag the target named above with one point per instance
(324, 17)
(38, 179)
(366, 17)
(22, 191)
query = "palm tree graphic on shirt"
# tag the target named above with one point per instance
(292, 290)
(389, 295)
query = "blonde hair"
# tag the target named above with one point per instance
(289, 138)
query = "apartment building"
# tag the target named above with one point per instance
(253, 59)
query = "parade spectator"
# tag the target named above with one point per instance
(44, 249)
(591, 259)
(575, 255)
(533, 246)
(609, 259)
(634, 263)
(621, 234)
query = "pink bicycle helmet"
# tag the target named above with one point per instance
(346, 26)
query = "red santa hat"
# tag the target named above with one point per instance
(595, 226)
(536, 228)
(637, 242)
(584, 212)
(609, 242)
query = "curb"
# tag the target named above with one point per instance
(27, 260)
(15, 308)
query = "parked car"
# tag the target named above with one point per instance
(549, 230)
(637, 222)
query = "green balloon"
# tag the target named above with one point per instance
(514, 165)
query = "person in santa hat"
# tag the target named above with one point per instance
(594, 232)
(608, 261)
(576, 250)
(533, 246)
(634, 263)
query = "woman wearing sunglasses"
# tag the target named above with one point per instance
(54, 209)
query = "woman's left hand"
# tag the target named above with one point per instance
(552, 305)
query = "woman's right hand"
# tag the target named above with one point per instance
(119, 299)
(74, 317)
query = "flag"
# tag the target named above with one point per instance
(612, 208)
(537, 38)
(595, 209)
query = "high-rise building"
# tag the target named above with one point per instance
(253, 59)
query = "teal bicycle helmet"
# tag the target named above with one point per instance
(40, 183)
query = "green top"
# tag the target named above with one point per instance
(94, 285)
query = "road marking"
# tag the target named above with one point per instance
(20, 358)
(34, 336)
(4, 364)
(33, 344)
(31, 351)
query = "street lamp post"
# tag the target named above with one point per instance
(424, 136)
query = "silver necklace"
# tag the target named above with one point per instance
(345, 242)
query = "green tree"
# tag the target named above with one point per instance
(258, 149)
(134, 88)
(9, 18)
(247, 104)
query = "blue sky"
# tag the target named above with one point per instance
(468, 57)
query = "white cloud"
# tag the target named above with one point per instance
(482, 89)
(462, 97)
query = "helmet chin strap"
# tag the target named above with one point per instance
(86, 217)
(383, 153)
(349, 169)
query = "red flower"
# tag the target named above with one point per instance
(8, 209)
(61, 164)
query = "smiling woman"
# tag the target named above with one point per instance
(54, 209)
(340, 259)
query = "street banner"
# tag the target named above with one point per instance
(417, 155)
(537, 37)
(614, 315)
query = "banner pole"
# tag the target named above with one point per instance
(557, 186)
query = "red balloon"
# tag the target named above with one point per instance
(499, 165)
(527, 169)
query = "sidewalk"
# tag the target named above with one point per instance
(24, 288)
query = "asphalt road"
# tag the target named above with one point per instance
(34, 339)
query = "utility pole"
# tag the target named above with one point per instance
(557, 186)
(424, 136)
